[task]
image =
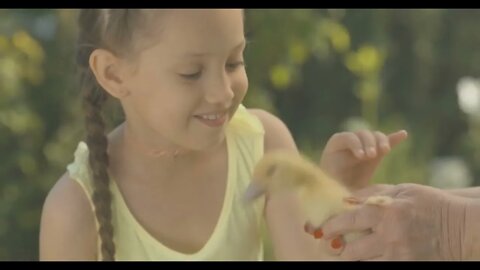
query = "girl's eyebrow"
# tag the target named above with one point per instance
(201, 54)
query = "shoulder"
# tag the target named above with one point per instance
(67, 228)
(277, 134)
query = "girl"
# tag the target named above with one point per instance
(167, 183)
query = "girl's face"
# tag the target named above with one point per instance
(187, 86)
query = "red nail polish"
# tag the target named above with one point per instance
(318, 233)
(336, 243)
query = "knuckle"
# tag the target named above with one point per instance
(365, 133)
(340, 135)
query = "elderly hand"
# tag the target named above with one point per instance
(422, 223)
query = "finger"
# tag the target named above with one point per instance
(365, 248)
(347, 140)
(316, 233)
(362, 218)
(336, 245)
(331, 249)
(383, 144)
(368, 142)
(390, 190)
(378, 258)
(310, 229)
(326, 252)
(372, 190)
(397, 137)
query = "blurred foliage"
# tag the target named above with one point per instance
(321, 71)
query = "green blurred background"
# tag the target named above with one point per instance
(321, 71)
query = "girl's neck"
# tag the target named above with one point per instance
(130, 155)
(150, 149)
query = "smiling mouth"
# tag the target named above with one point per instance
(212, 120)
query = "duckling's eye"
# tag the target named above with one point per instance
(271, 170)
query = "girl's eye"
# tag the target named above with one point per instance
(230, 67)
(192, 76)
(235, 65)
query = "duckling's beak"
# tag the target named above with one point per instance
(253, 191)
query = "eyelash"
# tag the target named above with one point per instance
(235, 65)
(196, 75)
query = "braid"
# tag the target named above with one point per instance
(113, 30)
(93, 99)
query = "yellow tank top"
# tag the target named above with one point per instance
(238, 232)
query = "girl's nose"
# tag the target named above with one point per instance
(220, 91)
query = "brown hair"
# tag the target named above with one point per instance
(110, 29)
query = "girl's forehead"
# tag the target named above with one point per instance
(200, 32)
(203, 23)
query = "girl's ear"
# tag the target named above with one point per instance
(107, 69)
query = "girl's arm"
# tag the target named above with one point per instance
(284, 220)
(67, 230)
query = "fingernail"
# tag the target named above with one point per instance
(318, 233)
(336, 243)
(372, 151)
(360, 153)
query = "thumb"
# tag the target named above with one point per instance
(397, 137)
